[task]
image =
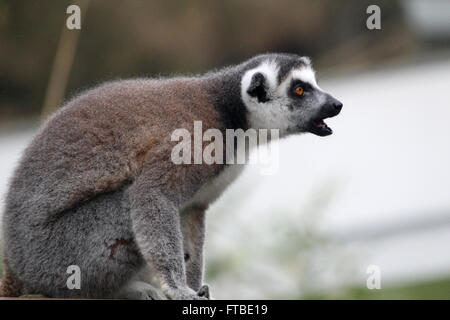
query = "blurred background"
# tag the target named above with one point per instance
(375, 193)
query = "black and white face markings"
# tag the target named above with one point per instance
(282, 93)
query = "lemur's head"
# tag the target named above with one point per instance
(280, 92)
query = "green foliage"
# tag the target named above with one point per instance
(437, 289)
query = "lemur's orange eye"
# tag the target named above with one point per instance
(299, 91)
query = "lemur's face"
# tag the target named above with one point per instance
(291, 102)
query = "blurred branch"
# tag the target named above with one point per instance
(62, 64)
(412, 225)
(360, 51)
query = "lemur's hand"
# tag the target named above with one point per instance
(184, 294)
(204, 292)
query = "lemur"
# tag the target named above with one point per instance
(96, 186)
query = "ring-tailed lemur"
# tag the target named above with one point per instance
(96, 187)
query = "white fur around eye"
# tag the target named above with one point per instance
(305, 74)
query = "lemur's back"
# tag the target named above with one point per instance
(101, 139)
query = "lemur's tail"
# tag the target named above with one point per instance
(1, 288)
(8, 287)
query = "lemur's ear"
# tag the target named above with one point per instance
(258, 87)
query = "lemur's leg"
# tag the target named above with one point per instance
(139, 290)
(193, 228)
(156, 225)
(95, 236)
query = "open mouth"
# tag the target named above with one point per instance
(319, 127)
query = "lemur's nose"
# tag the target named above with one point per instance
(333, 106)
(337, 105)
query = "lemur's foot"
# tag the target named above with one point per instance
(139, 290)
(184, 294)
(32, 296)
(204, 292)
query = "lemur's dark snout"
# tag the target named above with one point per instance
(333, 107)
(330, 108)
(338, 106)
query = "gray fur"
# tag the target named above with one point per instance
(96, 188)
